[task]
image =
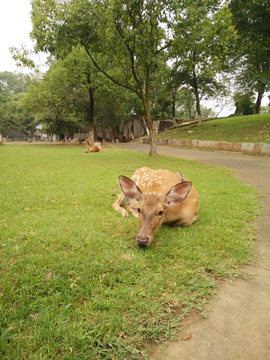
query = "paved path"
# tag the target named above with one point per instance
(238, 325)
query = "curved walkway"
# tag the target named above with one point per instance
(238, 324)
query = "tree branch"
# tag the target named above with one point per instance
(127, 86)
(131, 52)
(164, 47)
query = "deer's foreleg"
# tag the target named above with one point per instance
(117, 205)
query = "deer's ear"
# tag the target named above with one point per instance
(178, 193)
(129, 188)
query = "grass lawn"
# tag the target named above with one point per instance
(74, 284)
(246, 129)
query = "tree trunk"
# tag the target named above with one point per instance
(198, 106)
(146, 103)
(103, 131)
(95, 134)
(173, 106)
(90, 112)
(152, 136)
(195, 83)
(112, 134)
(53, 129)
(257, 108)
(189, 111)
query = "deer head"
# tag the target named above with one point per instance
(151, 208)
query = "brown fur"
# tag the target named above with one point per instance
(156, 197)
(91, 148)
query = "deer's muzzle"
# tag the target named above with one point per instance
(143, 242)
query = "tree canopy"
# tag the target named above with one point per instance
(111, 58)
(129, 34)
(12, 114)
(251, 20)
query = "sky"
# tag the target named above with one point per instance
(15, 27)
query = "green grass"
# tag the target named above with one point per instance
(74, 284)
(246, 129)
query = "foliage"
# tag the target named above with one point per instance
(186, 106)
(251, 19)
(244, 103)
(12, 83)
(74, 284)
(113, 106)
(49, 98)
(185, 103)
(129, 33)
(12, 115)
(74, 93)
(12, 118)
(205, 35)
(129, 43)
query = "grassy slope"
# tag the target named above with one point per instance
(74, 284)
(252, 128)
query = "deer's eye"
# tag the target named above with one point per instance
(139, 210)
(160, 213)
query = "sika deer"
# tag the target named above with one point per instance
(94, 148)
(156, 197)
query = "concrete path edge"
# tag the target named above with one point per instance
(247, 148)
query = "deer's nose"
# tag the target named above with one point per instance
(142, 242)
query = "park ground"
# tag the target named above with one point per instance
(238, 322)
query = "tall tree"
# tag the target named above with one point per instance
(251, 19)
(129, 33)
(50, 99)
(12, 116)
(209, 34)
(86, 80)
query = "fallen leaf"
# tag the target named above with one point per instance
(48, 276)
(12, 328)
(34, 317)
(188, 338)
(74, 282)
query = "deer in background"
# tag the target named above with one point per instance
(156, 197)
(94, 148)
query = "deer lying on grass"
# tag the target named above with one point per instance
(156, 197)
(94, 148)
